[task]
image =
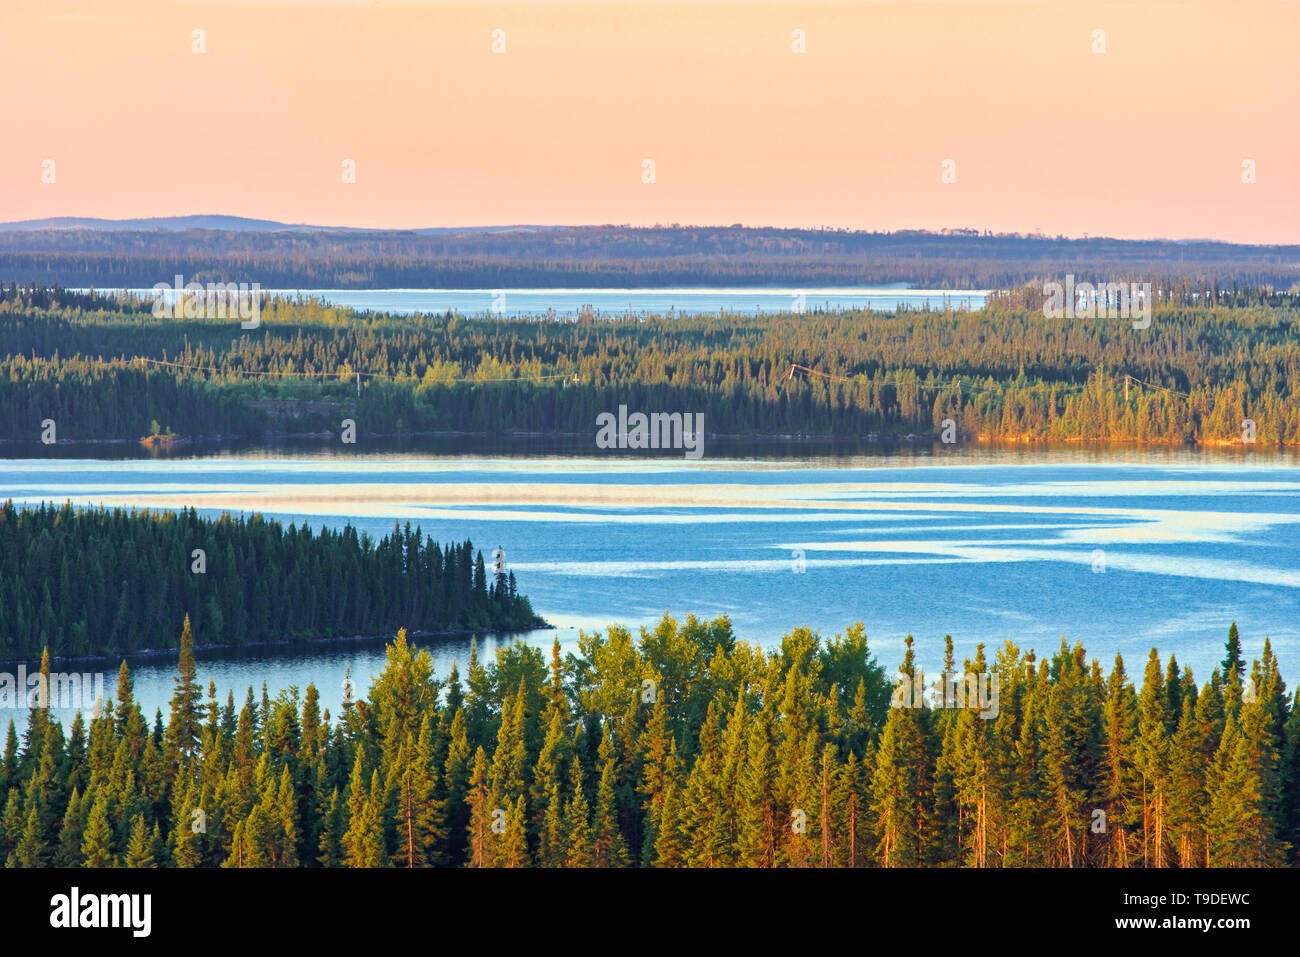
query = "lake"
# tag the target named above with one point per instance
(1120, 548)
(687, 301)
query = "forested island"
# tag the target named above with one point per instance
(678, 747)
(92, 582)
(1210, 359)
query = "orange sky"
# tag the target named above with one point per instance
(1146, 139)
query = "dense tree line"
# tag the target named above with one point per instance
(114, 271)
(1211, 358)
(42, 296)
(98, 581)
(615, 256)
(679, 747)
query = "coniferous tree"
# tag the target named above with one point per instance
(330, 846)
(419, 812)
(546, 789)
(580, 850)
(900, 782)
(756, 799)
(184, 727)
(480, 814)
(1232, 659)
(743, 757)
(139, 850)
(609, 849)
(97, 844)
(1187, 783)
(1151, 757)
(1122, 805)
(71, 833)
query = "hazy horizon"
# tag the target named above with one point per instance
(1044, 132)
(509, 226)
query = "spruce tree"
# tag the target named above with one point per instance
(756, 800)
(1232, 659)
(330, 846)
(97, 844)
(670, 837)
(139, 850)
(1122, 804)
(480, 814)
(1151, 758)
(515, 838)
(419, 813)
(900, 783)
(71, 833)
(1187, 810)
(184, 727)
(609, 849)
(285, 853)
(579, 849)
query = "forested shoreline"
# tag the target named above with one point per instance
(1209, 361)
(678, 747)
(616, 256)
(92, 582)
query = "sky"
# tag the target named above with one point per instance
(1074, 117)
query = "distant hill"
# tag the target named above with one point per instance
(175, 224)
(158, 223)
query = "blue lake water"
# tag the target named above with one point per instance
(1121, 549)
(688, 301)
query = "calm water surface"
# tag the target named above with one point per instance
(1121, 549)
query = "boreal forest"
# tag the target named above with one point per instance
(679, 746)
(96, 581)
(84, 253)
(1209, 360)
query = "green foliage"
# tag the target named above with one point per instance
(130, 572)
(1211, 358)
(581, 768)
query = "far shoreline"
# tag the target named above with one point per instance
(269, 441)
(147, 653)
